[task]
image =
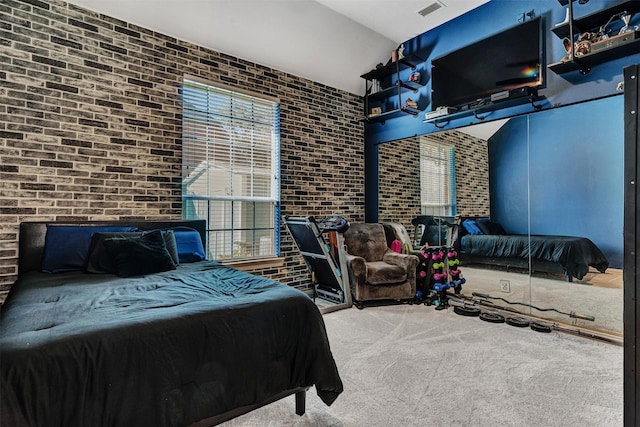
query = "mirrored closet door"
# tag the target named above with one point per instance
(553, 173)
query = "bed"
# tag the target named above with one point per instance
(196, 344)
(483, 241)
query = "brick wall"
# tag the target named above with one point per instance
(399, 181)
(399, 176)
(90, 126)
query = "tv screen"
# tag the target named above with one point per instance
(511, 59)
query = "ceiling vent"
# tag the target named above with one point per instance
(431, 8)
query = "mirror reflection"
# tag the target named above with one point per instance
(547, 188)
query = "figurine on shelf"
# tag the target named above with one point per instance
(625, 18)
(401, 51)
(410, 103)
(581, 47)
(566, 42)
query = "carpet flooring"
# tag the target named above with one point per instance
(411, 365)
(599, 295)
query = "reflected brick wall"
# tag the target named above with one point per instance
(399, 177)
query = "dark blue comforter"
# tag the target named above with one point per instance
(574, 254)
(166, 349)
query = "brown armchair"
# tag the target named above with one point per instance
(375, 271)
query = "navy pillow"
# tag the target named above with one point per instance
(490, 227)
(99, 260)
(471, 227)
(189, 243)
(66, 247)
(141, 254)
(172, 245)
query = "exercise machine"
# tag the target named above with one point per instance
(321, 244)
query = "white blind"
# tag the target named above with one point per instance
(230, 142)
(230, 169)
(437, 178)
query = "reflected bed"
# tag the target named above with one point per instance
(570, 255)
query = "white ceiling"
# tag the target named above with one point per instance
(328, 41)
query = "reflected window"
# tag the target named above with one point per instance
(437, 178)
(230, 169)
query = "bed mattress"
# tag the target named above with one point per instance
(574, 254)
(166, 349)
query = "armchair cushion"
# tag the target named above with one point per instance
(403, 260)
(382, 273)
(367, 241)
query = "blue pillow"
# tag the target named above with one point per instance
(471, 227)
(490, 227)
(189, 243)
(66, 247)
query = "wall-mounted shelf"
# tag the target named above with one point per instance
(480, 112)
(409, 61)
(614, 47)
(629, 47)
(394, 92)
(596, 19)
(392, 114)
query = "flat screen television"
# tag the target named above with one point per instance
(501, 66)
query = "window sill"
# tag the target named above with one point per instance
(256, 263)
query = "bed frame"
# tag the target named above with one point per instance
(31, 247)
(300, 394)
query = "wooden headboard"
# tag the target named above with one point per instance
(32, 236)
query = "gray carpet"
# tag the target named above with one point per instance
(410, 365)
(599, 295)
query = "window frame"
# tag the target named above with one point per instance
(446, 205)
(216, 127)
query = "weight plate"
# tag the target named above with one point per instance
(540, 327)
(491, 317)
(466, 311)
(517, 322)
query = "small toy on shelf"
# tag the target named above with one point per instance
(415, 77)
(410, 103)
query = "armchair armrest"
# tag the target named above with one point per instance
(357, 269)
(406, 261)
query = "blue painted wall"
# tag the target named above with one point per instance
(509, 175)
(488, 19)
(568, 163)
(575, 185)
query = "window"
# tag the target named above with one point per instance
(230, 169)
(437, 178)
